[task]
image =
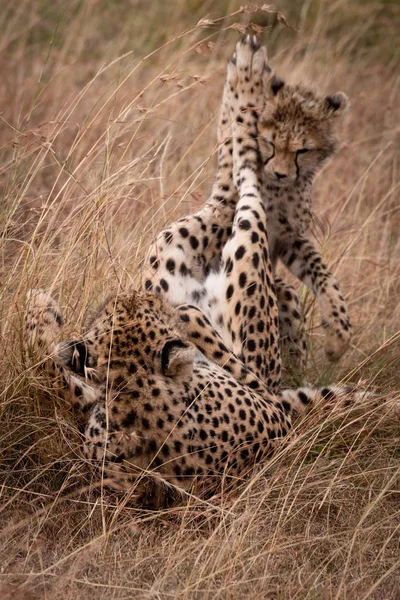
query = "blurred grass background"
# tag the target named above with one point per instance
(107, 131)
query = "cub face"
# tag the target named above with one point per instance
(298, 131)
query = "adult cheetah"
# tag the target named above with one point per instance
(169, 407)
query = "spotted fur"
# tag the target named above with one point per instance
(297, 133)
(175, 398)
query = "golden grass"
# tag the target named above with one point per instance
(108, 118)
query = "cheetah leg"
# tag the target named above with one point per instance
(296, 402)
(204, 336)
(43, 324)
(180, 257)
(306, 264)
(244, 305)
(287, 404)
(293, 343)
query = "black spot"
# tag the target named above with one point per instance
(164, 285)
(240, 252)
(244, 224)
(242, 280)
(327, 393)
(256, 260)
(251, 345)
(229, 266)
(130, 418)
(229, 292)
(154, 262)
(170, 264)
(251, 288)
(304, 399)
(152, 445)
(194, 242)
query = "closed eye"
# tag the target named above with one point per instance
(269, 142)
(271, 149)
(303, 150)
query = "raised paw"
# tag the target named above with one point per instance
(245, 72)
(43, 320)
(245, 98)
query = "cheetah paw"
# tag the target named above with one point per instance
(43, 319)
(246, 66)
(336, 343)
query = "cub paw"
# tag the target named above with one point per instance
(336, 343)
(246, 67)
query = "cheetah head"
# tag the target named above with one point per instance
(131, 335)
(298, 130)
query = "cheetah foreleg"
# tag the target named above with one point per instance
(305, 262)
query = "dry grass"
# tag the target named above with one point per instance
(107, 132)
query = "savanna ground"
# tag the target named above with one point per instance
(107, 132)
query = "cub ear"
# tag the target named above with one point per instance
(274, 85)
(337, 104)
(177, 358)
(75, 356)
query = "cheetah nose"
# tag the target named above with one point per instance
(280, 175)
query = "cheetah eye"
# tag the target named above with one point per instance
(303, 150)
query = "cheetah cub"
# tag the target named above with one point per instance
(298, 132)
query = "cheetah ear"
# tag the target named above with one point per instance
(274, 85)
(75, 356)
(177, 358)
(336, 105)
